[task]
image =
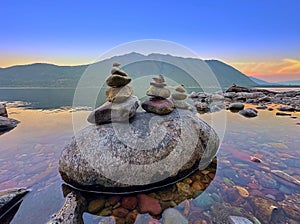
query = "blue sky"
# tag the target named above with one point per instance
(77, 32)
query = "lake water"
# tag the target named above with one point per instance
(240, 187)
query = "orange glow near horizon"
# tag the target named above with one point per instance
(272, 71)
(12, 60)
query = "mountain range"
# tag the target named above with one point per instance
(283, 83)
(182, 70)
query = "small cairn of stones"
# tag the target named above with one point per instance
(158, 102)
(179, 98)
(121, 105)
(3, 111)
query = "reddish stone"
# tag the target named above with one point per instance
(255, 159)
(120, 212)
(114, 199)
(158, 106)
(149, 205)
(129, 202)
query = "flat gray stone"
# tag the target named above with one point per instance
(114, 112)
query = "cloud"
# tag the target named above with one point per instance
(286, 66)
(292, 66)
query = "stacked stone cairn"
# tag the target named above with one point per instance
(121, 105)
(158, 102)
(179, 98)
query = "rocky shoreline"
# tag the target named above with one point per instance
(235, 97)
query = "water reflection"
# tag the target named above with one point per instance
(268, 191)
(124, 208)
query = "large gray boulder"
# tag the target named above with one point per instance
(149, 151)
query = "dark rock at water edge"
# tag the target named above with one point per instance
(249, 112)
(282, 114)
(158, 106)
(122, 158)
(114, 112)
(286, 109)
(7, 124)
(10, 199)
(236, 107)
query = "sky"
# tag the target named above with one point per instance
(259, 38)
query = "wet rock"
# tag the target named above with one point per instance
(236, 106)
(238, 220)
(217, 97)
(230, 195)
(129, 202)
(249, 112)
(71, 211)
(286, 109)
(158, 106)
(118, 95)
(255, 159)
(265, 180)
(265, 99)
(180, 138)
(105, 212)
(291, 206)
(114, 112)
(198, 185)
(173, 216)
(242, 191)
(10, 199)
(113, 200)
(202, 106)
(96, 205)
(184, 188)
(7, 124)
(286, 178)
(282, 114)
(193, 95)
(131, 216)
(120, 212)
(149, 205)
(3, 111)
(264, 209)
(261, 107)
(117, 80)
(204, 200)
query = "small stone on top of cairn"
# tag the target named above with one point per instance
(158, 103)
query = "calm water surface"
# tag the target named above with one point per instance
(30, 153)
